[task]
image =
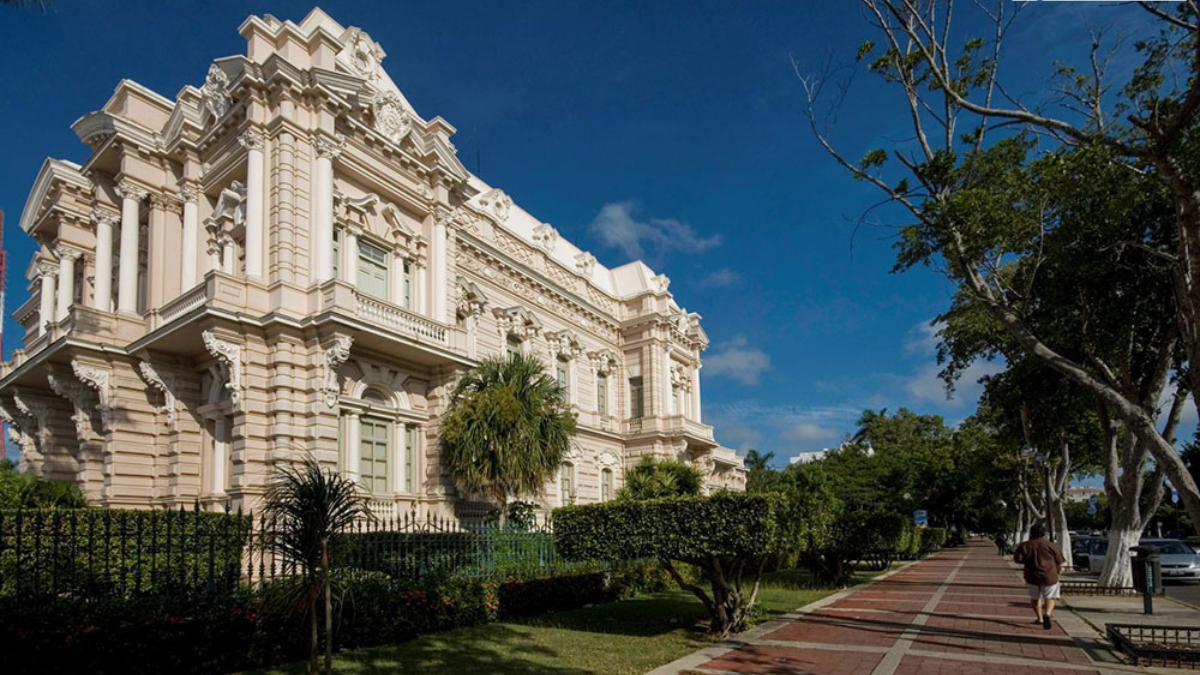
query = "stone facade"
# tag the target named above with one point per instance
(288, 261)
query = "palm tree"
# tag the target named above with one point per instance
(864, 424)
(507, 429)
(654, 479)
(308, 506)
(757, 461)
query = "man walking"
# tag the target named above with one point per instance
(1042, 561)
(1001, 543)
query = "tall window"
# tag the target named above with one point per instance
(372, 270)
(676, 402)
(410, 451)
(513, 346)
(566, 484)
(337, 253)
(637, 398)
(562, 374)
(374, 437)
(602, 393)
(606, 485)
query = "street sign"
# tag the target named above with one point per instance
(1093, 505)
(921, 518)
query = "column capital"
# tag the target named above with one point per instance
(251, 139)
(353, 229)
(47, 268)
(129, 190)
(188, 193)
(102, 217)
(65, 252)
(329, 148)
(163, 202)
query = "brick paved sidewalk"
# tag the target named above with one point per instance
(962, 611)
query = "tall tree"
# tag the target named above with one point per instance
(967, 194)
(507, 429)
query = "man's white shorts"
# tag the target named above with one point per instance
(1042, 592)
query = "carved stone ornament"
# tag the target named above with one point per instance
(335, 355)
(251, 139)
(127, 190)
(494, 204)
(584, 263)
(81, 398)
(229, 355)
(165, 384)
(546, 236)
(604, 361)
(564, 343)
(20, 433)
(231, 205)
(470, 300)
(680, 377)
(391, 118)
(214, 95)
(99, 379)
(607, 459)
(517, 321)
(364, 56)
(660, 283)
(329, 148)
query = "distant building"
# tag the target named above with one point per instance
(806, 457)
(1082, 494)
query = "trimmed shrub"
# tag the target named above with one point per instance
(856, 537)
(932, 539)
(727, 536)
(113, 552)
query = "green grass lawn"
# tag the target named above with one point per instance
(621, 638)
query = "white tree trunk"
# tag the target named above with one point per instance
(1062, 532)
(1116, 571)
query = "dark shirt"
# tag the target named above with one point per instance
(1041, 559)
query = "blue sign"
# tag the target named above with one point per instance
(921, 518)
(1093, 505)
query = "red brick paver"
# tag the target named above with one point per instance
(961, 612)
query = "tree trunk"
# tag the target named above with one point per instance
(327, 585)
(1116, 571)
(1062, 533)
(314, 667)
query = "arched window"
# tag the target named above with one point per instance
(606, 485)
(566, 484)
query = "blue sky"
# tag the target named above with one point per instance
(673, 131)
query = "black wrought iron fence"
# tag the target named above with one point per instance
(119, 553)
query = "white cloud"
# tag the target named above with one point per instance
(738, 361)
(739, 436)
(922, 338)
(719, 279)
(805, 432)
(615, 226)
(925, 385)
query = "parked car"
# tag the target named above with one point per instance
(1081, 547)
(1178, 560)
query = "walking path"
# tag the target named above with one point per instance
(961, 611)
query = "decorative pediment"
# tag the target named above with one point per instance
(545, 236)
(470, 300)
(517, 321)
(230, 211)
(564, 343)
(604, 361)
(494, 204)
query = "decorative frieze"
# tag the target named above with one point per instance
(604, 361)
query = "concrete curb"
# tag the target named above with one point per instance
(719, 649)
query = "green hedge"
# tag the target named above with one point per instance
(932, 539)
(118, 552)
(678, 528)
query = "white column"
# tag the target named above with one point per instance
(252, 140)
(418, 290)
(191, 237)
(696, 393)
(127, 281)
(666, 378)
(437, 263)
(352, 449)
(102, 290)
(396, 271)
(220, 455)
(47, 271)
(349, 267)
(322, 244)
(66, 281)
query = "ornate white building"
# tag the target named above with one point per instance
(288, 260)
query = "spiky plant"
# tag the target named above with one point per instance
(507, 429)
(308, 506)
(656, 479)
